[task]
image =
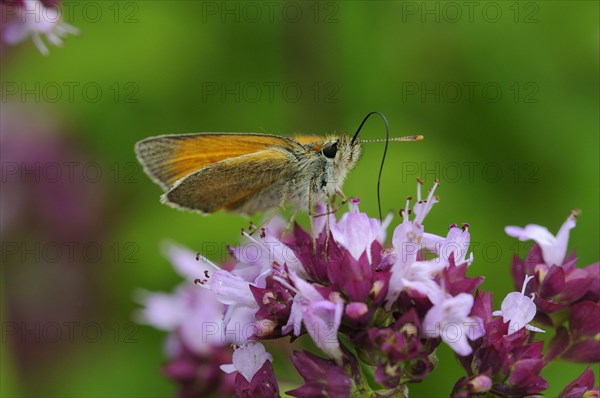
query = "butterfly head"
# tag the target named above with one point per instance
(340, 155)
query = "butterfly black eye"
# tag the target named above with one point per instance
(330, 150)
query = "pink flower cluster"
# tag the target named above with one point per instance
(366, 306)
(34, 18)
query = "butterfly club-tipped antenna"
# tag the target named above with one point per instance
(386, 140)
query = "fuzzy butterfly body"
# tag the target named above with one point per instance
(245, 172)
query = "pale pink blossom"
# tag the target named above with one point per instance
(554, 248)
(33, 19)
(450, 320)
(247, 360)
(518, 310)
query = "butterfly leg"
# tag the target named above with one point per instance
(342, 203)
(262, 225)
(335, 208)
(290, 223)
(327, 227)
(339, 193)
(312, 214)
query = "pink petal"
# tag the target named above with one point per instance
(240, 324)
(248, 360)
(459, 344)
(306, 289)
(163, 311)
(406, 241)
(295, 320)
(354, 233)
(517, 309)
(230, 289)
(184, 262)
(539, 234)
(322, 321)
(15, 32)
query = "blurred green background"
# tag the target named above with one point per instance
(506, 94)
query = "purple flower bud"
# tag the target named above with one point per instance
(524, 377)
(583, 351)
(577, 283)
(482, 306)
(583, 386)
(454, 278)
(585, 320)
(274, 305)
(547, 306)
(200, 375)
(315, 262)
(400, 352)
(558, 344)
(322, 378)
(358, 312)
(480, 384)
(553, 282)
(263, 383)
(509, 360)
(471, 386)
(593, 293)
(352, 277)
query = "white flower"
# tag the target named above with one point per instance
(248, 359)
(321, 317)
(33, 19)
(356, 232)
(191, 312)
(449, 319)
(554, 248)
(407, 272)
(235, 293)
(256, 257)
(423, 207)
(226, 290)
(519, 310)
(457, 243)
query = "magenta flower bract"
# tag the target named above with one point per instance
(322, 378)
(581, 387)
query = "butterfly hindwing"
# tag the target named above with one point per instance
(244, 184)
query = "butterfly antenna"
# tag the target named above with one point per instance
(385, 148)
(387, 139)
